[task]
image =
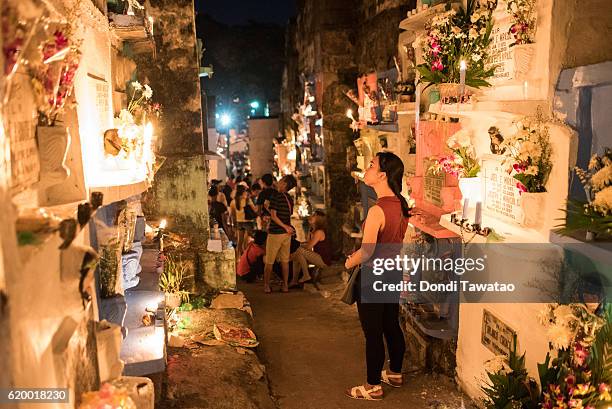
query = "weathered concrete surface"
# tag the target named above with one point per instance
(220, 377)
(313, 349)
(179, 191)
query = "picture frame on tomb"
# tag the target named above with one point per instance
(502, 199)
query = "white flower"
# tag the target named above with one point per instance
(559, 336)
(126, 117)
(602, 178)
(476, 57)
(473, 33)
(148, 92)
(460, 139)
(564, 315)
(483, 31)
(532, 170)
(456, 30)
(603, 200)
(136, 85)
(513, 7)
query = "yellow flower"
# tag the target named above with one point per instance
(456, 30)
(603, 200)
(602, 178)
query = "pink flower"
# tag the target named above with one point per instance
(521, 187)
(435, 48)
(519, 168)
(437, 65)
(580, 354)
(516, 28)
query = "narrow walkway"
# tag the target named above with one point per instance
(313, 349)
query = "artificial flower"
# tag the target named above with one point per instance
(603, 201)
(437, 65)
(602, 178)
(136, 85)
(148, 92)
(604, 392)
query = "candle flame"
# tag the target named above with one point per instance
(349, 113)
(163, 224)
(462, 65)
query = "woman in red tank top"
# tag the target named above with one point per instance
(383, 233)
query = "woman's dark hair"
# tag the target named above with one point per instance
(394, 168)
(260, 236)
(240, 189)
(213, 192)
(320, 221)
(290, 181)
(268, 179)
(256, 186)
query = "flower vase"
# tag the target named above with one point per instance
(471, 189)
(523, 60)
(53, 144)
(534, 209)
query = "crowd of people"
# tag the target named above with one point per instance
(256, 217)
(258, 220)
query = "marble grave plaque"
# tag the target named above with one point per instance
(501, 197)
(497, 336)
(432, 184)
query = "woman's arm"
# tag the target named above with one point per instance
(374, 222)
(252, 205)
(315, 237)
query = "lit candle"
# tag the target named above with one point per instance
(478, 213)
(349, 114)
(466, 205)
(462, 69)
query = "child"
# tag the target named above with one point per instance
(251, 264)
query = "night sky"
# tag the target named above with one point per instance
(241, 11)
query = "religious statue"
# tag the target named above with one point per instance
(496, 141)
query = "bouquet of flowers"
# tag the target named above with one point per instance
(596, 214)
(131, 122)
(462, 161)
(459, 36)
(54, 74)
(523, 13)
(580, 376)
(530, 152)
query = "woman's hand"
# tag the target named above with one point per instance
(349, 262)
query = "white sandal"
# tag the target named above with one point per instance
(364, 394)
(394, 380)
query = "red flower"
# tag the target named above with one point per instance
(437, 65)
(60, 40)
(521, 187)
(519, 168)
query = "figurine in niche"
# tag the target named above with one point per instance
(496, 141)
(112, 142)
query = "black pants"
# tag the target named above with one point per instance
(378, 321)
